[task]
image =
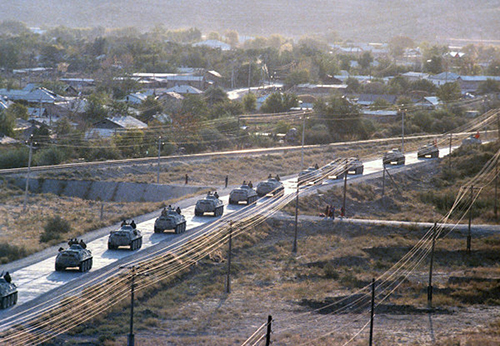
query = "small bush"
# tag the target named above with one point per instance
(11, 252)
(54, 228)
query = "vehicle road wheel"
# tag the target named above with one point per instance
(177, 229)
(4, 303)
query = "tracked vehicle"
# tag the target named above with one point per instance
(429, 150)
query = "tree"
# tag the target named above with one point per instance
(398, 44)
(232, 38)
(249, 103)
(214, 95)
(365, 60)
(296, 77)
(278, 102)
(488, 86)
(434, 64)
(149, 107)
(494, 68)
(449, 92)
(95, 108)
(7, 123)
(18, 111)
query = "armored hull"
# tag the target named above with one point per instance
(428, 150)
(74, 257)
(209, 204)
(125, 236)
(394, 156)
(269, 187)
(243, 194)
(8, 294)
(170, 220)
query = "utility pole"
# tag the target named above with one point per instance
(303, 135)
(228, 279)
(131, 341)
(345, 189)
(383, 180)
(469, 238)
(238, 134)
(372, 312)
(28, 174)
(449, 153)
(294, 249)
(496, 190)
(403, 130)
(429, 287)
(249, 74)
(159, 149)
(268, 334)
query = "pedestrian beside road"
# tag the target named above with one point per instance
(327, 211)
(332, 212)
(187, 178)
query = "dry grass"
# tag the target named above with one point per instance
(266, 279)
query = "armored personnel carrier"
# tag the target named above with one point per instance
(270, 187)
(76, 256)
(209, 204)
(428, 150)
(170, 219)
(125, 236)
(8, 292)
(350, 166)
(244, 193)
(394, 156)
(310, 175)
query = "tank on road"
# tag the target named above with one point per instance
(270, 186)
(429, 150)
(170, 219)
(126, 236)
(76, 256)
(394, 156)
(8, 292)
(209, 204)
(244, 193)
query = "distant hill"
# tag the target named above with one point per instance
(359, 20)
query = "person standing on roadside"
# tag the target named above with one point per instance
(187, 179)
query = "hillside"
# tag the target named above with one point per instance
(361, 20)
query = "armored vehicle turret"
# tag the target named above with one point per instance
(311, 175)
(127, 235)
(170, 219)
(244, 193)
(209, 204)
(428, 150)
(8, 292)
(76, 256)
(394, 156)
(270, 186)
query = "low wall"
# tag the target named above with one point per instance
(110, 191)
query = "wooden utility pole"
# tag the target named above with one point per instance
(496, 190)
(159, 149)
(294, 249)
(449, 153)
(469, 237)
(131, 341)
(429, 287)
(268, 334)
(343, 211)
(383, 180)
(372, 312)
(28, 174)
(228, 279)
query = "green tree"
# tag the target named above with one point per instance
(296, 77)
(149, 107)
(18, 111)
(434, 64)
(249, 102)
(488, 86)
(449, 92)
(215, 95)
(7, 123)
(398, 44)
(95, 108)
(278, 102)
(365, 60)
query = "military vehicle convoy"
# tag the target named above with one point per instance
(429, 150)
(170, 219)
(8, 292)
(209, 204)
(76, 256)
(472, 140)
(310, 175)
(394, 156)
(243, 194)
(270, 186)
(125, 236)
